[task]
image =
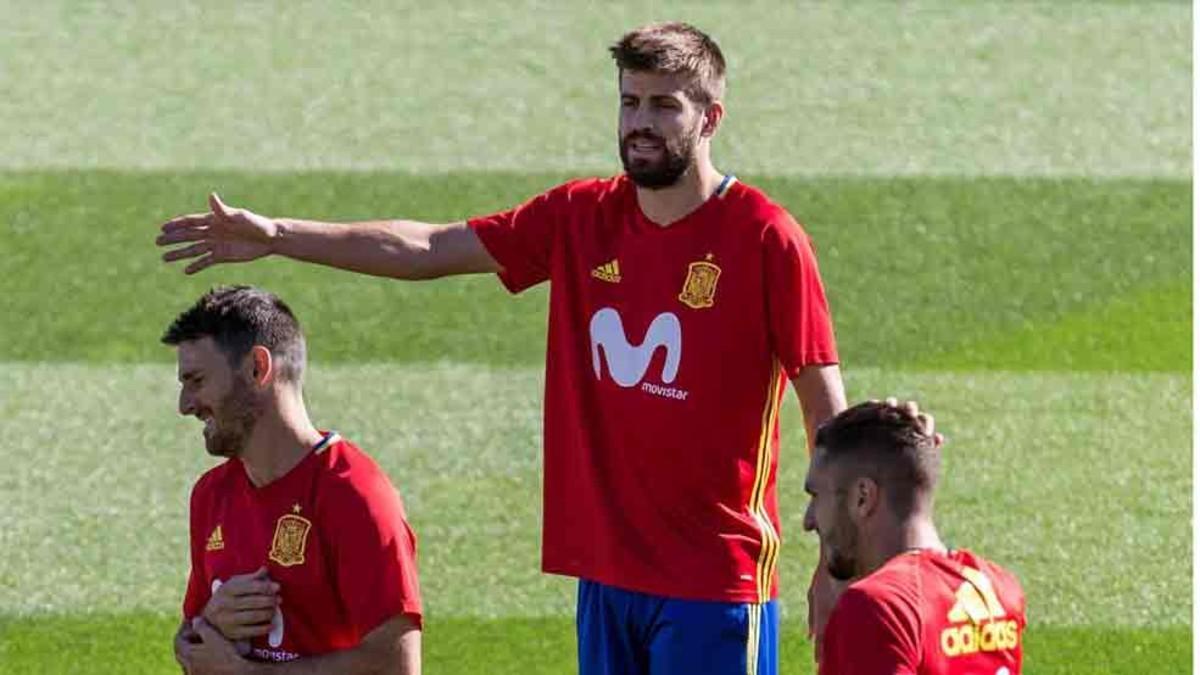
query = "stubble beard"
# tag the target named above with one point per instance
(234, 420)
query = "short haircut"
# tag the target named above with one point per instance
(239, 317)
(673, 48)
(887, 444)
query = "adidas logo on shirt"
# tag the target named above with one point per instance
(978, 620)
(215, 541)
(609, 271)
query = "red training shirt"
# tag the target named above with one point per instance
(331, 532)
(668, 352)
(928, 613)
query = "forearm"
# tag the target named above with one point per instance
(821, 395)
(347, 662)
(398, 249)
(393, 649)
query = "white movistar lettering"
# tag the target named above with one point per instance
(627, 363)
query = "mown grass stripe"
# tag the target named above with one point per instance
(921, 273)
(135, 643)
(99, 465)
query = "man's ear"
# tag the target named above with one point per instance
(262, 366)
(865, 497)
(712, 119)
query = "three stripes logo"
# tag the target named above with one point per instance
(609, 271)
(216, 541)
(980, 618)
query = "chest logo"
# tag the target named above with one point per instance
(216, 541)
(978, 620)
(609, 271)
(700, 286)
(627, 363)
(291, 534)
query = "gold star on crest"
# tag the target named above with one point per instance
(296, 508)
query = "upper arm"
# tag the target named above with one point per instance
(196, 594)
(395, 645)
(456, 249)
(798, 317)
(521, 241)
(375, 554)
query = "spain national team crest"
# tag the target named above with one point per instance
(701, 284)
(291, 534)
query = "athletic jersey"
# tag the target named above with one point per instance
(668, 353)
(331, 533)
(928, 613)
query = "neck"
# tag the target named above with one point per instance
(913, 534)
(282, 437)
(667, 205)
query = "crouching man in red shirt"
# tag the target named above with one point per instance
(915, 607)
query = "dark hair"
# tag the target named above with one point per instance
(675, 48)
(887, 444)
(239, 317)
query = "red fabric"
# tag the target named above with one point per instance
(659, 416)
(910, 616)
(359, 556)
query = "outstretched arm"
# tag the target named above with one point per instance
(401, 249)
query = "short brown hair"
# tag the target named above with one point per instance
(888, 444)
(675, 48)
(239, 317)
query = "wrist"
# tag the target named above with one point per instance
(277, 230)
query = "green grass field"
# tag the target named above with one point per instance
(1000, 195)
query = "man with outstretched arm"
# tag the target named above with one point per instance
(682, 303)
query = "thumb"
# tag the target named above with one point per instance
(218, 207)
(260, 573)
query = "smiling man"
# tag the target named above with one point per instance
(682, 303)
(300, 551)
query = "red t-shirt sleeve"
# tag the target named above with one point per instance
(522, 239)
(196, 595)
(797, 311)
(869, 636)
(374, 554)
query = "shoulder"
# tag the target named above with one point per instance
(753, 204)
(891, 594)
(1006, 584)
(353, 482)
(214, 482)
(590, 191)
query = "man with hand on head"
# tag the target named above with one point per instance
(301, 558)
(682, 304)
(915, 607)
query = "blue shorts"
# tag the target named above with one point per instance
(628, 633)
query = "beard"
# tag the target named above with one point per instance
(840, 547)
(676, 158)
(233, 421)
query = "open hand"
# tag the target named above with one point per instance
(223, 235)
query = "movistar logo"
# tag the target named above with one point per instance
(628, 363)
